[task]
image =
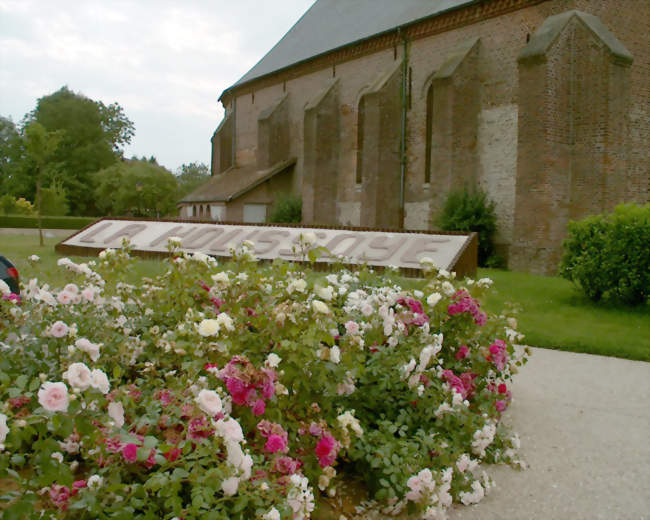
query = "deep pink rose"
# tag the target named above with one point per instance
(130, 452)
(274, 444)
(326, 450)
(462, 353)
(286, 465)
(259, 407)
(60, 496)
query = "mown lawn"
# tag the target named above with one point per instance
(552, 312)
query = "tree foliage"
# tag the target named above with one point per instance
(136, 187)
(11, 159)
(93, 134)
(191, 176)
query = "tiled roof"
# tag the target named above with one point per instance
(235, 182)
(331, 24)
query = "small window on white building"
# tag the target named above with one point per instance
(189, 211)
(218, 212)
(255, 213)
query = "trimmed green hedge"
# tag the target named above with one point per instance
(20, 221)
(608, 256)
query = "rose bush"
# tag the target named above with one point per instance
(248, 391)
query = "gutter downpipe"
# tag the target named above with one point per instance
(402, 139)
(234, 130)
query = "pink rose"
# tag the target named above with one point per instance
(54, 397)
(326, 450)
(58, 329)
(462, 352)
(130, 452)
(500, 406)
(499, 354)
(352, 327)
(60, 496)
(259, 407)
(275, 443)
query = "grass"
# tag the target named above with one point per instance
(552, 312)
(18, 248)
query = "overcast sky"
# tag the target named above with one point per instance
(165, 62)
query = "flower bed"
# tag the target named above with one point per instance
(248, 391)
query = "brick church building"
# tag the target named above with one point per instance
(373, 110)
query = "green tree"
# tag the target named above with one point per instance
(191, 176)
(93, 136)
(54, 200)
(12, 152)
(40, 147)
(136, 187)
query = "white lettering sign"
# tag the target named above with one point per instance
(375, 248)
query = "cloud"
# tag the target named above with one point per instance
(164, 62)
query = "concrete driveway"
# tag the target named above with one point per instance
(584, 423)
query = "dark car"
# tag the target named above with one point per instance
(9, 275)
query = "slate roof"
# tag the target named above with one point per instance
(235, 182)
(331, 24)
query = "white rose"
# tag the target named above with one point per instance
(95, 482)
(300, 285)
(226, 321)
(4, 429)
(229, 486)
(209, 328)
(335, 355)
(78, 375)
(273, 514)
(448, 288)
(100, 381)
(433, 299)
(209, 401)
(273, 360)
(116, 412)
(229, 429)
(320, 307)
(88, 347)
(4, 288)
(326, 293)
(221, 277)
(308, 238)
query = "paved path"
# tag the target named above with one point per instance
(584, 423)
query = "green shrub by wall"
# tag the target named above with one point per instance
(18, 221)
(471, 210)
(608, 256)
(287, 209)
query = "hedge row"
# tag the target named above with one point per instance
(20, 221)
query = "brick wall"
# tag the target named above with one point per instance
(498, 139)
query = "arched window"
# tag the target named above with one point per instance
(429, 136)
(360, 121)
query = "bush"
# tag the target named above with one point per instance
(19, 221)
(247, 391)
(287, 209)
(9, 205)
(471, 210)
(608, 256)
(54, 200)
